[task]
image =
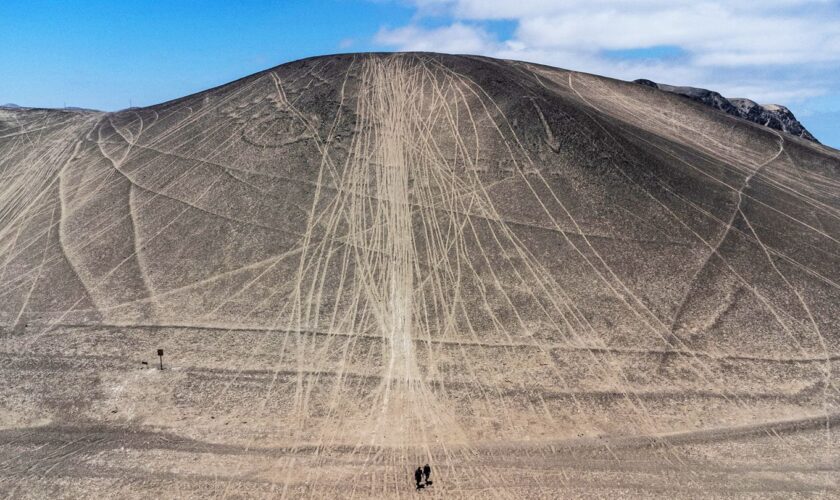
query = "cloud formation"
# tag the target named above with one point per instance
(769, 50)
(456, 38)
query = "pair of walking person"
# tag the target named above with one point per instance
(422, 475)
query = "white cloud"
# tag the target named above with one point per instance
(771, 48)
(456, 38)
(519, 9)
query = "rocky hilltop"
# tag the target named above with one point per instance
(774, 116)
(541, 282)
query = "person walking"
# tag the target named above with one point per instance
(418, 478)
(427, 472)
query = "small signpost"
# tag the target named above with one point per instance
(160, 354)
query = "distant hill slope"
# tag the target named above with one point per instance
(774, 116)
(543, 283)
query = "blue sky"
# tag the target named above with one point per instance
(109, 54)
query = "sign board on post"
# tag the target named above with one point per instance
(160, 354)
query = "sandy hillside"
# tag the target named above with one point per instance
(543, 283)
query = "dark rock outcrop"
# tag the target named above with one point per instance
(773, 116)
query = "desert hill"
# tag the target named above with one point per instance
(542, 282)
